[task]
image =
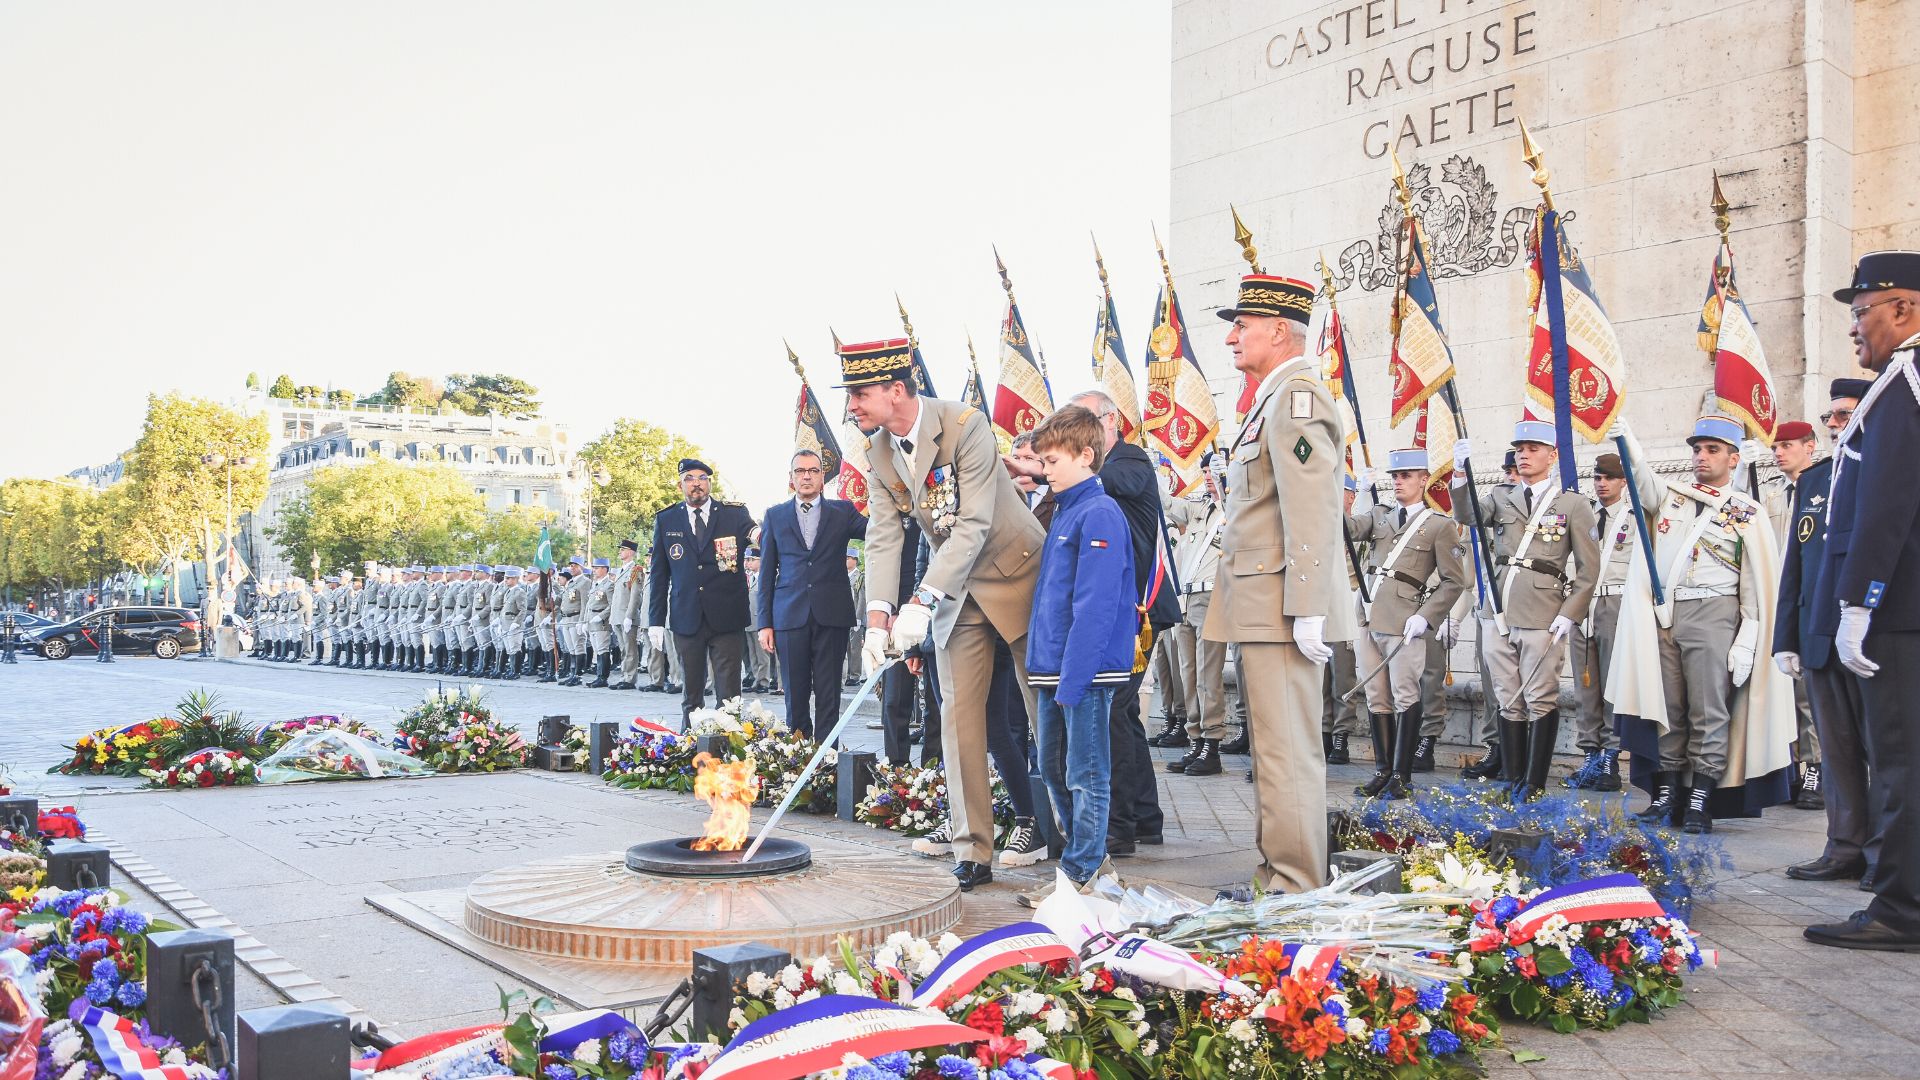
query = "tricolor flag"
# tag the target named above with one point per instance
(817, 1035)
(1615, 896)
(854, 468)
(975, 393)
(1575, 367)
(117, 1043)
(811, 431)
(1435, 433)
(1421, 362)
(1021, 400)
(1327, 334)
(1741, 379)
(1180, 418)
(1111, 370)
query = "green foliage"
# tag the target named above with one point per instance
(283, 388)
(381, 510)
(643, 461)
(204, 724)
(478, 395)
(513, 534)
(178, 502)
(253, 380)
(54, 533)
(406, 391)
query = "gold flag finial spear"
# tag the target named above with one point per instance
(1244, 237)
(906, 322)
(1165, 270)
(836, 339)
(1530, 153)
(1722, 220)
(973, 362)
(1005, 281)
(1401, 191)
(794, 359)
(1101, 265)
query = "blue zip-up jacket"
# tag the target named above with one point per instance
(1084, 616)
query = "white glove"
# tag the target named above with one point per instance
(873, 649)
(1740, 662)
(1307, 631)
(626, 625)
(1416, 625)
(1788, 663)
(1449, 634)
(1560, 628)
(1618, 430)
(657, 636)
(1851, 640)
(1749, 449)
(1462, 450)
(910, 626)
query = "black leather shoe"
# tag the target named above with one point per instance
(1866, 881)
(1119, 848)
(971, 874)
(1863, 931)
(1240, 744)
(1336, 754)
(1825, 869)
(1150, 839)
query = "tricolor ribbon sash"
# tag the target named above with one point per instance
(1049, 1068)
(648, 727)
(1315, 961)
(121, 1050)
(1615, 896)
(441, 1048)
(819, 1034)
(996, 950)
(566, 1033)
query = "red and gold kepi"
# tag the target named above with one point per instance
(1272, 295)
(876, 362)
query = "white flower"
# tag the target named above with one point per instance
(782, 999)
(1056, 1020)
(1356, 1028)
(887, 957)
(822, 968)
(844, 983)
(1141, 1029)
(1032, 1037)
(66, 1047)
(1125, 993)
(926, 963)
(78, 1071)
(1086, 981)
(1027, 1002)
(759, 982)
(790, 977)
(1150, 1047)
(808, 996)
(1242, 1030)
(949, 942)
(1423, 1025)
(736, 1019)
(588, 1052)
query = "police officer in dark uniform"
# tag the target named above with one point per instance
(1803, 648)
(1873, 561)
(699, 563)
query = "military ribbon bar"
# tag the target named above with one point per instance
(996, 950)
(819, 1034)
(1615, 896)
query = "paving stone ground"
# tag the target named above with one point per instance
(294, 866)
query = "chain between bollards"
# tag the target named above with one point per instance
(219, 1054)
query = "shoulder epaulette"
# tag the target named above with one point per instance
(966, 414)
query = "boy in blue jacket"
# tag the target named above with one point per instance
(1080, 642)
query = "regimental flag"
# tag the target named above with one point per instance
(854, 467)
(1327, 333)
(1435, 433)
(235, 570)
(811, 431)
(975, 393)
(1021, 400)
(1181, 418)
(922, 378)
(1421, 362)
(543, 552)
(1112, 372)
(1575, 367)
(1741, 379)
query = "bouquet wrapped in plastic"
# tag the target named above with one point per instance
(330, 753)
(20, 1016)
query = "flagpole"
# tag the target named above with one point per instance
(1483, 549)
(1723, 220)
(1530, 153)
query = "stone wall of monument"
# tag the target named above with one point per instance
(1287, 109)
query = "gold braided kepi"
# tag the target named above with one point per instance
(1272, 295)
(876, 362)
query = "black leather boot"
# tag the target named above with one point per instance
(1540, 744)
(1172, 736)
(1513, 752)
(1406, 740)
(1487, 768)
(419, 658)
(1239, 743)
(1179, 765)
(511, 672)
(1423, 753)
(1206, 761)
(577, 666)
(499, 668)
(319, 657)
(543, 663)
(1699, 819)
(1665, 797)
(600, 665)
(1382, 726)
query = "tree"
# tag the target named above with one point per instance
(283, 388)
(55, 534)
(513, 534)
(253, 380)
(309, 394)
(381, 510)
(339, 399)
(643, 462)
(179, 499)
(406, 391)
(478, 395)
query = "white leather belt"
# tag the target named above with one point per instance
(1608, 590)
(1693, 593)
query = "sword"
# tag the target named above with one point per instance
(1361, 684)
(826, 744)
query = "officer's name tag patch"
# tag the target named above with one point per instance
(1303, 405)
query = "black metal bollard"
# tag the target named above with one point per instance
(105, 656)
(73, 865)
(853, 775)
(20, 814)
(602, 736)
(717, 745)
(9, 638)
(295, 1042)
(190, 990)
(716, 972)
(553, 730)
(1349, 862)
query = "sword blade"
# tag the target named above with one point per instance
(826, 744)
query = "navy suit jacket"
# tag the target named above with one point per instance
(1873, 526)
(800, 585)
(1129, 478)
(1794, 628)
(701, 590)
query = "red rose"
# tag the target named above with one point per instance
(1103, 981)
(206, 779)
(1525, 966)
(989, 1018)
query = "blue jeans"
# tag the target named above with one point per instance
(1074, 759)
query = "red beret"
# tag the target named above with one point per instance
(1791, 430)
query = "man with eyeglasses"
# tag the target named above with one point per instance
(805, 595)
(1872, 568)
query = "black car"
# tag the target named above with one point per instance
(23, 621)
(165, 632)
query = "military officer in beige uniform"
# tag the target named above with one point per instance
(1537, 528)
(1202, 664)
(937, 462)
(1416, 571)
(629, 588)
(1279, 593)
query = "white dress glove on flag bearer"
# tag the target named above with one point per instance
(873, 648)
(1850, 641)
(1560, 628)
(1740, 657)
(1416, 625)
(1449, 634)
(1788, 663)
(1462, 450)
(910, 626)
(658, 636)
(1308, 634)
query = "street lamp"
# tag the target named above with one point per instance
(214, 458)
(598, 478)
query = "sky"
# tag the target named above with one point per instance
(630, 205)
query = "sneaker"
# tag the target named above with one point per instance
(937, 842)
(1025, 846)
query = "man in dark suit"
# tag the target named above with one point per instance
(1803, 648)
(806, 596)
(1873, 565)
(699, 562)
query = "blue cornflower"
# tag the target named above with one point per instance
(1333, 1008)
(41, 958)
(957, 1068)
(1379, 1041)
(124, 921)
(131, 994)
(1558, 982)
(1432, 997)
(1505, 908)
(105, 970)
(561, 1072)
(1441, 1042)
(682, 1053)
(1622, 996)
(866, 1072)
(100, 993)
(899, 1063)
(1021, 1069)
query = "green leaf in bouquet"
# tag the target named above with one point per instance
(1552, 962)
